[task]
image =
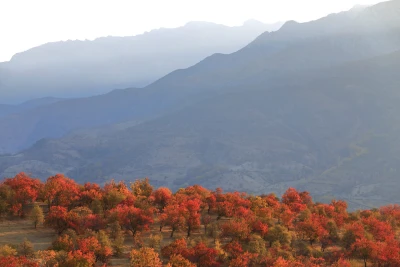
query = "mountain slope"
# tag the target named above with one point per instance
(295, 48)
(332, 132)
(28, 105)
(84, 68)
(5, 109)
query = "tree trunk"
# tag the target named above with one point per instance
(172, 233)
(188, 232)
(365, 262)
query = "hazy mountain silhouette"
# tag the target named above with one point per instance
(27, 105)
(84, 68)
(331, 125)
(313, 105)
(269, 59)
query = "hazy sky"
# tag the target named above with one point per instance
(28, 23)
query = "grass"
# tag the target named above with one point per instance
(14, 232)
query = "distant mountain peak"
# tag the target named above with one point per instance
(288, 25)
(359, 7)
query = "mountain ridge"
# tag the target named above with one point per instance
(85, 68)
(265, 60)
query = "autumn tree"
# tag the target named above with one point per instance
(25, 248)
(133, 219)
(57, 218)
(60, 191)
(89, 193)
(244, 260)
(20, 261)
(99, 246)
(205, 220)
(279, 234)
(142, 188)
(311, 229)
(145, 257)
(293, 200)
(236, 229)
(203, 256)
(25, 190)
(234, 249)
(63, 242)
(154, 241)
(117, 237)
(7, 250)
(381, 231)
(260, 227)
(340, 212)
(46, 258)
(173, 216)
(178, 247)
(78, 219)
(78, 258)
(6, 196)
(352, 232)
(160, 197)
(364, 249)
(191, 213)
(179, 261)
(36, 215)
(115, 194)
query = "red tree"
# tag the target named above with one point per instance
(133, 219)
(178, 247)
(191, 213)
(57, 218)
(173, 217)
(160, 197)
(12, 261)
(25, 191)
(60, 191)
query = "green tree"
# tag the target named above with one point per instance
(7, 250)
(142, 188)
(36, 215)
(278, 233)
(25, 248)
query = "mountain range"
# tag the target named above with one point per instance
(84, 68)
(313, 105)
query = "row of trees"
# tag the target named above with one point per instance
(195, 226)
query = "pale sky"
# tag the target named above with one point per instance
(28, 23)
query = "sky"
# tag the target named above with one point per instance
(28, 23)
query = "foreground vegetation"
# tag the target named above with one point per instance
(89, 225)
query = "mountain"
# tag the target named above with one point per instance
(313, 105)
(331, 133)
(27, 105)
(5, 109)
(269, 59)
(84, 68)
